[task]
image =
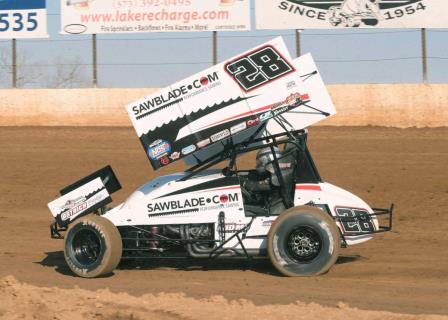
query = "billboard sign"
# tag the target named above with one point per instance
(129, 16)
(23, 19)
(328, 14)
(228, 103)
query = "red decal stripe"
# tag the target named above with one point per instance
(240, 115)
(308, 187)
(304, 97)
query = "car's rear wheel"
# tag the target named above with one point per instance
(303, 241)
(93, 246)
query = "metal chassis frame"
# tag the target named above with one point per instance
(55, 231)
(214, 253)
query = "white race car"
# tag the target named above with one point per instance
(281, 209)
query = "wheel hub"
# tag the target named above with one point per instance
(86, 247)
(304, 244)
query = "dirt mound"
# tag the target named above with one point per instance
(22, 301)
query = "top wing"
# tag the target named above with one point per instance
(227, 103)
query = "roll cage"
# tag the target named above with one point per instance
(294, 144)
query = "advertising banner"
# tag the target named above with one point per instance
(127, 16)
(328, 14)
(233, 100)
(23, 19)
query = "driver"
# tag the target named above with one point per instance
(264, 177)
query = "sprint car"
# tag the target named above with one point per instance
(260, 102)
(281, 210)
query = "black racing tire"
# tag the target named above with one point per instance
(93, 246)
(303, 241)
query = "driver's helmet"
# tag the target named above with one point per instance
(265, 158)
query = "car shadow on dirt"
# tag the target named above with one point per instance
(56, 260)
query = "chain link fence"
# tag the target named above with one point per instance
(159, 59)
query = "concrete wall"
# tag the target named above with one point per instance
(395, 105)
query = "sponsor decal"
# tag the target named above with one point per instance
(239, 127)
(68, 214)
(174, 96)
(203, 143)
(77, 206)
(189, 149)
(200, 203)
(220, 135)
(175, 156)
(290, 102)
(165, 161)
(266, 116)
(72, 203)
(267, 223)
(296, 98)
(253, 122)
(233, 227)
(353, 13)
(224, 198)
(158, 149)
(280, 110)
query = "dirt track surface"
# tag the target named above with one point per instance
(404, 272)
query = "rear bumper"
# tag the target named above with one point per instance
(55, 231)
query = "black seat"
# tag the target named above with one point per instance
(254, 211)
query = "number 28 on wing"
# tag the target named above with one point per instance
(258, 68)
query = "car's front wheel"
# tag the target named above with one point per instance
(93, 246)
(303, 241)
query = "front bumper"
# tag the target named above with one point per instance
(385, 225)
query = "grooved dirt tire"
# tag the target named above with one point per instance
(303, 241)
(93, 246)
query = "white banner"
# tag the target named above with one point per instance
(231, 100)
(328, 14)
(127, 16)
(23, 19)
